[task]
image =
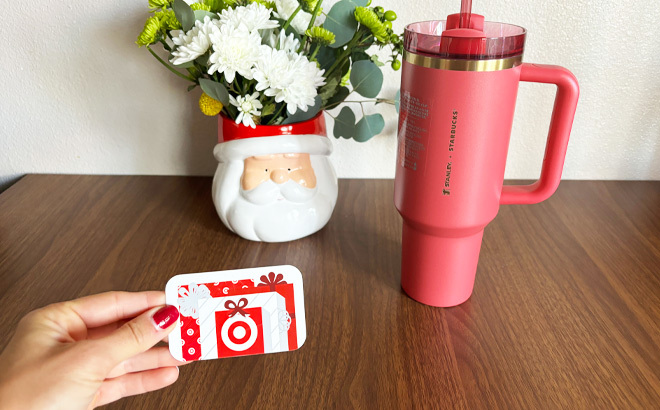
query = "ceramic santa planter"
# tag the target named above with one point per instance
(274, 183)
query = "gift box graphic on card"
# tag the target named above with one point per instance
(238, 317)
(242, 325)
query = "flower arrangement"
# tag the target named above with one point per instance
(277, 62)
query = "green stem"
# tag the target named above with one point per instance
(286, 24)
(165, 45)
(314, 13)
(316, 50)
(169, 67)
(277, 114)
(343, 55)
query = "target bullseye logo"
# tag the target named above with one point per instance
(239, 333)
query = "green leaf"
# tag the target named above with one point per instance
(191, 87)
(375, 60)
(366, 78)
(344, 124)
(329, 89)
(215, 90)
(203, 60)
(359, 3)
(341, 22)
(397, 100)
(338, 98)
(268, 110)
(326, 56)
(359, 56)
(184, 14)
(368, 126)
(200, 14)
(301, 115)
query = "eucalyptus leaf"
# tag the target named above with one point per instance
(366, 78)
(200, 14)
(215, 90)
(326, 56)
(368, 126)
(359, 3)
(359, 56)
(301, 115)
(338, 98)
(341, 21)
(344, 124)
(397, 100)
(184, 14)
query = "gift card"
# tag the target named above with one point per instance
(237, 312)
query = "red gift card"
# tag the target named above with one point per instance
(237, 313)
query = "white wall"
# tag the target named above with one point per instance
(79, 97)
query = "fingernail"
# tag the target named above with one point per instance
(165, 317)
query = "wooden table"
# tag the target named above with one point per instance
(565, 311)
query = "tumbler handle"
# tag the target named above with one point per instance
(560, 130)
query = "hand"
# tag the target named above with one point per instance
(84, 353)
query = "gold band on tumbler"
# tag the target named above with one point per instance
(462, 65)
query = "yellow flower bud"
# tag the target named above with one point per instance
(209, 106)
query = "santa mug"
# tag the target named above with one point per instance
(274, 183)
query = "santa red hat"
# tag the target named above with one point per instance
(237, 142)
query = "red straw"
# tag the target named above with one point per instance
(466, 14)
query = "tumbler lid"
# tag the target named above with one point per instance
(481, 40)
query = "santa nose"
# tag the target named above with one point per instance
(279, 176)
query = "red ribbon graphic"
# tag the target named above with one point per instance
(271, 281)
(236, 308)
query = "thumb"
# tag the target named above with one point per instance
(139, 334)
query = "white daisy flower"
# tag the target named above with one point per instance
(254, 16)
(235, 50)
(248, 106)
(285, 9)
(193, 43)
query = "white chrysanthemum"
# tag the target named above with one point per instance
(287, 77)
(235, 50)
(193, 43)
(301, 93)
(254, 16)
(285, 9)
(272, 71)
(248, 106)
(289, 43)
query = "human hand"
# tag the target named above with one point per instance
(89, 352)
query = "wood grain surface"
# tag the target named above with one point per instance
(565, 311)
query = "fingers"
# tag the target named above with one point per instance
(136, 336)
(109, 307)
(103, 331)
(135, 383)
(154, 358)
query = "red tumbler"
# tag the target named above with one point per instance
(458, 95)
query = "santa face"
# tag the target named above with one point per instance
(276, 197)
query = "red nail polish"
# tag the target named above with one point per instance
(165, 317)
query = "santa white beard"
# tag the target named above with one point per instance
(275, 212)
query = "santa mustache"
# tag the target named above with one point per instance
(269, 191)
